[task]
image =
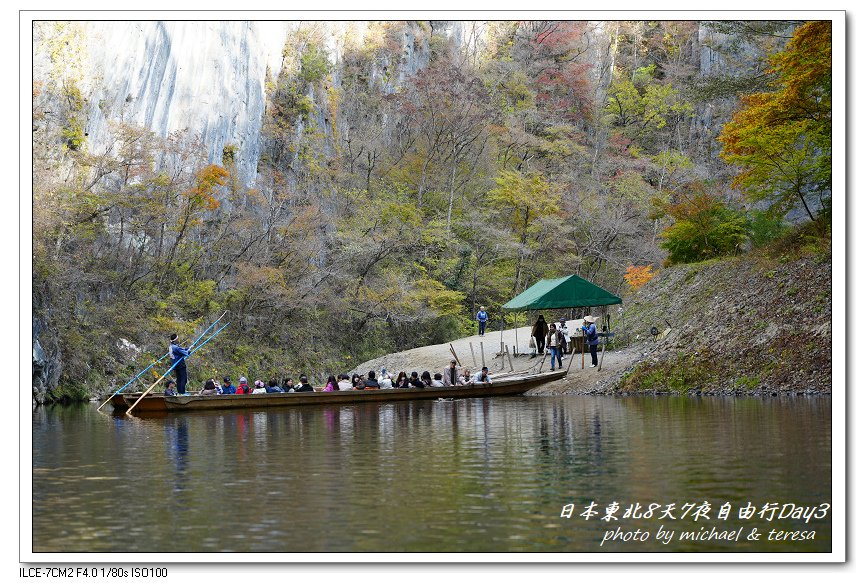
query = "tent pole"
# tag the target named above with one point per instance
(516, 335)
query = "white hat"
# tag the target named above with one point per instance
(589, 319)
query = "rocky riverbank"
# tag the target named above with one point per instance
(758, 324)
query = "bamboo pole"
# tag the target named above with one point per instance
(135, 378)
(510, 362)
(483, 360)
(454, 352)
(474, 360)
(502, 354)
(194, 342)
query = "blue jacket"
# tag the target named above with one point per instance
(177, 353)
(229, 390)
(482, 316)
(591, 335)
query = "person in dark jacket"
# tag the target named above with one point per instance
(415, 381)
(273, 387)
(371, 382)
(426, 378)
(591, 334)
(170, 388)
(304, 387)
(482, 317)
(178, 360)
(539, 333)
(227, 388)
(401, 381)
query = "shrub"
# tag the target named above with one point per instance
(704, 228)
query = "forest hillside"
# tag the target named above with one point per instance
(367, 189)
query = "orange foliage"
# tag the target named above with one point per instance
(639, 275)
(206, 182)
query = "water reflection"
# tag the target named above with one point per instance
(470, 475)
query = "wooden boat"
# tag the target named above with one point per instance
(505, 385)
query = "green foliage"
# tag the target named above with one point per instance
(314, 65)
(703, 228)
(765, 226)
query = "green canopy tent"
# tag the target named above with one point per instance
(571, 291)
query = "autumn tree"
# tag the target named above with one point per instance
(782, 139)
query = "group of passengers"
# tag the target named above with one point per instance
(451, 376)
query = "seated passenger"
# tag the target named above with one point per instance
(482, 377)
(437, 380)
(287, 385)
(331, 385)
(344, 384)
(170, 388)
(209, 388)
(401, 381)
(384, 380)
(242, 387)
(426, 378)
(259, 388)
(451, 376)
(358, 382)
(415, 381)
(371, 382)
(467, 376)
(304, 386)
(226, 388)
(273, 387)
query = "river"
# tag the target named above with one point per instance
(472, 475)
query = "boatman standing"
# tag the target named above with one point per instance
(482, 320)
(178, 355)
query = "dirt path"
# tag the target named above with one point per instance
(578, 380)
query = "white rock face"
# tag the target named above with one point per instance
(205, 77)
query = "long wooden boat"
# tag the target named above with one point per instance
(506, 385)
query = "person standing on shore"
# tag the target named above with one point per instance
(563, 328)
(554, 343)
(178, 361)
(539, 333)
(482, 320)
(591, 334)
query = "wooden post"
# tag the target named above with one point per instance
(603, 347)
(570, 360)
(474, 360)
(483, 360)
(504, 351)
(510, 362)
(583, 350)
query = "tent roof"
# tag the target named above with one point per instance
(571, 291)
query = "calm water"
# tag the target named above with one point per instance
(472, 475)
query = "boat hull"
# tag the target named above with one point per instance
(514, 385)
